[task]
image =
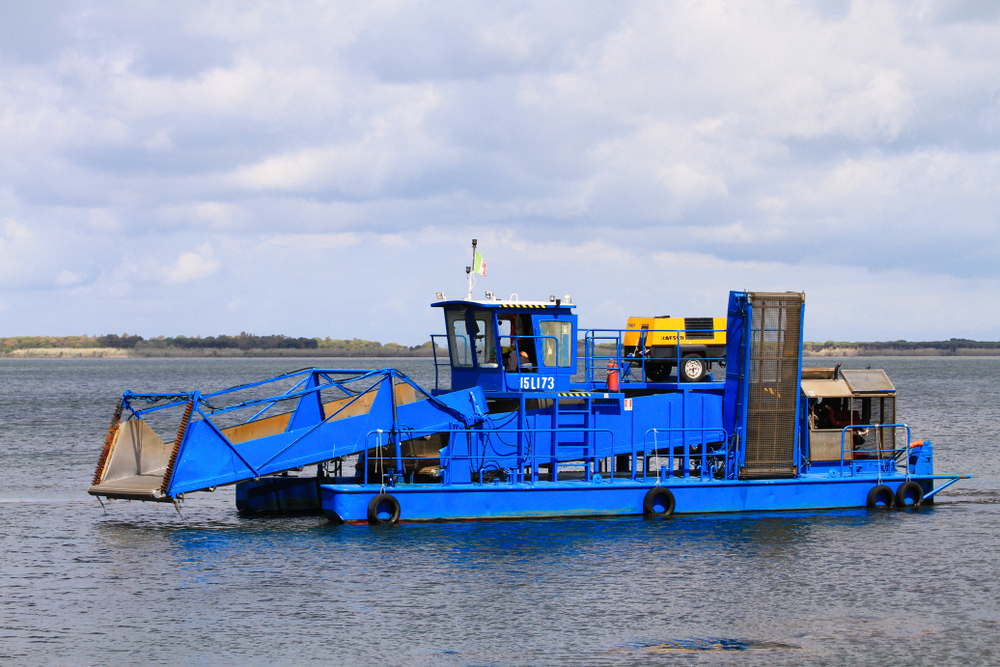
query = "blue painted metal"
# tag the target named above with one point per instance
(435, 502)
(881, 453)
(800, 444)
(206, 457)
(515, 441)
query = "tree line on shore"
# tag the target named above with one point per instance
(280, 345)
(954, 346)
(244, 342)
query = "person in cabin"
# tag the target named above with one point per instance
(832, 413)
(520, 356)
(506, 335)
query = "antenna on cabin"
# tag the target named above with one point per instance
(478, 266)
(468, 269)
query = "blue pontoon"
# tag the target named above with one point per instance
(539, 420)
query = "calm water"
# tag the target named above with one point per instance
(143, 585)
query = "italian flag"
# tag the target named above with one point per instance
(478, 265)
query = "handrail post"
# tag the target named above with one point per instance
(437, 384)
(364, 455)
(842, 435)
(704, 460)
(687, 458)
(633, 463)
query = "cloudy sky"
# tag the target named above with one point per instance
(319, 168)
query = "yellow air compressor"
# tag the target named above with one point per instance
(691, 344)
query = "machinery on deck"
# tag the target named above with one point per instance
(689, 344)
(533, 424)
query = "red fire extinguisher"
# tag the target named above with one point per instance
(612, 375)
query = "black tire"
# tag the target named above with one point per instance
(658, 502)
(381, 504)
(693, 368)
(881, 497)
(658, 371)
(909, 494)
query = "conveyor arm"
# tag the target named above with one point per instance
(139, 465)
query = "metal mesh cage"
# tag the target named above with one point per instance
(775, 341)
(874, 410)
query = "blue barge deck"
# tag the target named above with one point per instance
(350, 503)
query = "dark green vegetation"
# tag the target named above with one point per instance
(182, 346)
(280, 346)
(244, 341)
(900, 348)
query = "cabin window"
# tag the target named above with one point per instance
(556, 343)
(486, 350)
(516, 342)
(458, 339)
(505, 336)
(505, 330)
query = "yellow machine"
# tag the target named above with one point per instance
(691, 343)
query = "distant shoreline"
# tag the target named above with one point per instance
(843, 353)
(277, 347)
(902, 348)
(244, 345)
(118, 353)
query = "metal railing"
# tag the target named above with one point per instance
(526, 456)
(526, 462)
(719, 456)
(628, 361)
(881, 454)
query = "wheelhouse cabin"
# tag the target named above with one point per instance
(508, 347)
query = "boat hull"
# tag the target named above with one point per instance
(434, 502)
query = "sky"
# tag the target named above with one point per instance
(320, 168)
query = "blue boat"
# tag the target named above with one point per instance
(539, 420)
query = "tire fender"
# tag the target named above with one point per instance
(881, 497)
(381, 503)
(909, 494)
(659, 501)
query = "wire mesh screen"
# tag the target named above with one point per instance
(874, 410)
(775, 339)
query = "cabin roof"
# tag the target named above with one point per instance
(501, 304)
(873, 381)
(826, 388)
(821, 382)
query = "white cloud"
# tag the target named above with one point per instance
(68, 279)
(193, 266)
(17, 245)
(798, 143)
(394, 146)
